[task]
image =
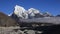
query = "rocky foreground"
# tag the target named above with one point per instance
(16, 30)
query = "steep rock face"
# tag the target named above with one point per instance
(6, 20)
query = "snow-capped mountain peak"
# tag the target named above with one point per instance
(18, 9)
(32, 10)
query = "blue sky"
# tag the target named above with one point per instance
(52, 6)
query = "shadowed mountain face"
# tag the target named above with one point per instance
(14, 17)
(6, 20)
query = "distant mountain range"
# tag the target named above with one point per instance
(20, 12)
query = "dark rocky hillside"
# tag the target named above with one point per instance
(6, 20)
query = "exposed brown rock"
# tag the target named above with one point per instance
(6, 20)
